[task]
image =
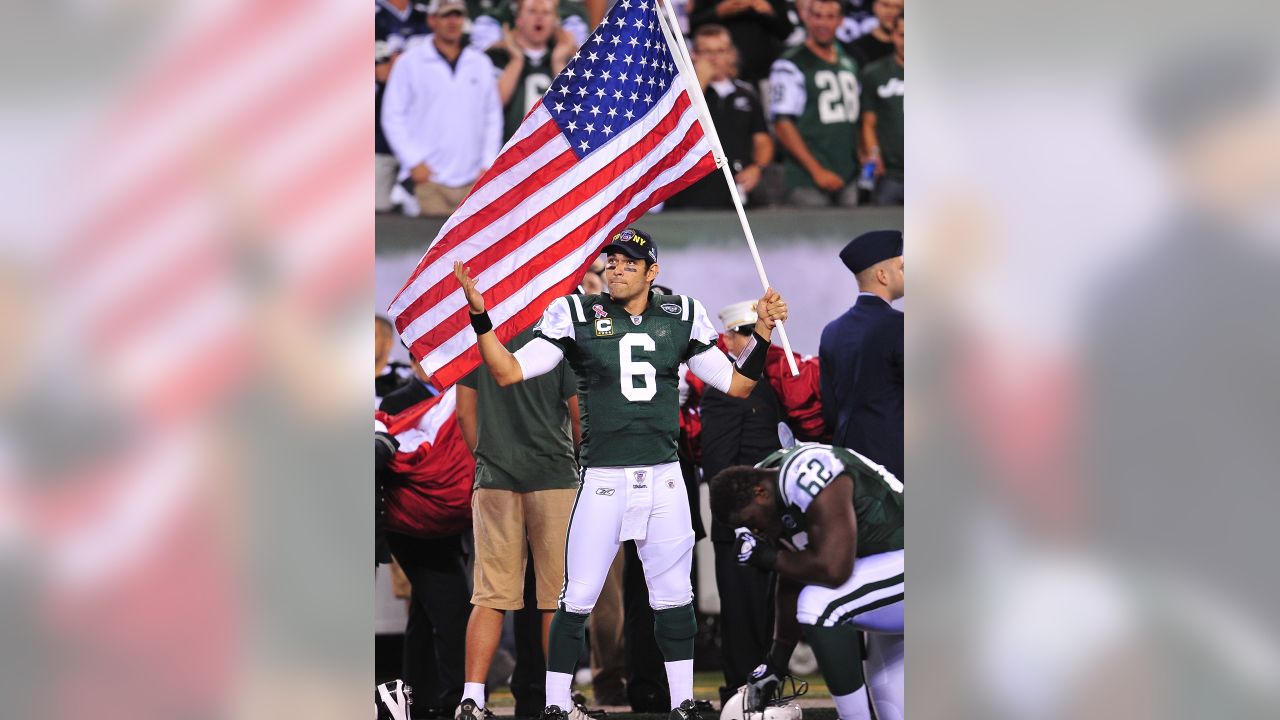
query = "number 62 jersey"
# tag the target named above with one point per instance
(806, 469)
(628, 372)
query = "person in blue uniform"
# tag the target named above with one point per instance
(861, 354)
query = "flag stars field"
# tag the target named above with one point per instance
(606, 75)
(538, 216)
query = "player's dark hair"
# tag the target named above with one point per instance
(731, 489)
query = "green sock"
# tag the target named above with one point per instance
(674, 629)
(568, 632)
(839, 653)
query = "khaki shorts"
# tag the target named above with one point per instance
(436, 200)
(506, 525)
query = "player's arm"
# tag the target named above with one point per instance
(833, 532)
(501, 362)
(770, 310)
(739, 378)
(763, 684)
(537, 357)
(786, 626)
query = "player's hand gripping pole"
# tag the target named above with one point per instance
(669, 22)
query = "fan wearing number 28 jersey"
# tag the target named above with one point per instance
(626, 349)
(814, 87)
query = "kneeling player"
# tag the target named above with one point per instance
(828, 521)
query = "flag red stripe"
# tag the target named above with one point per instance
(518, 152)
(484, 218)
(500, 206)
(530, 314)
(588, 188)
(454, 323)
(455, 369)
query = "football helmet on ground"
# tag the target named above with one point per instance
(782, 706)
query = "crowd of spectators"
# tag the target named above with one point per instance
(806, 95)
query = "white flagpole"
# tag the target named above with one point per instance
(670, 30)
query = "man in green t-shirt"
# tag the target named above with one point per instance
(814, 102)
(882, 100)
(527, 58)
(523, 438)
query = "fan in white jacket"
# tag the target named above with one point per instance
(446, 116)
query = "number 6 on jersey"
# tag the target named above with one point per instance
(630, 369)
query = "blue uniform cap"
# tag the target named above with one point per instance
(870, 248)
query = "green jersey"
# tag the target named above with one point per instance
(524, 441)
(882, 94)
(806, 469)
(628, 372)
(821, 98)
(534, 80)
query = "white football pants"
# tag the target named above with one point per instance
(655, 507)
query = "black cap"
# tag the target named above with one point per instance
(634, 244)
(870, 248)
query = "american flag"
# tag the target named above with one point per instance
(614, 135)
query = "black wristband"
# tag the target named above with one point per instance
(480, 322)
(751, 364)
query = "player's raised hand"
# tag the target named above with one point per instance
(770, 309)
(474, 298)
